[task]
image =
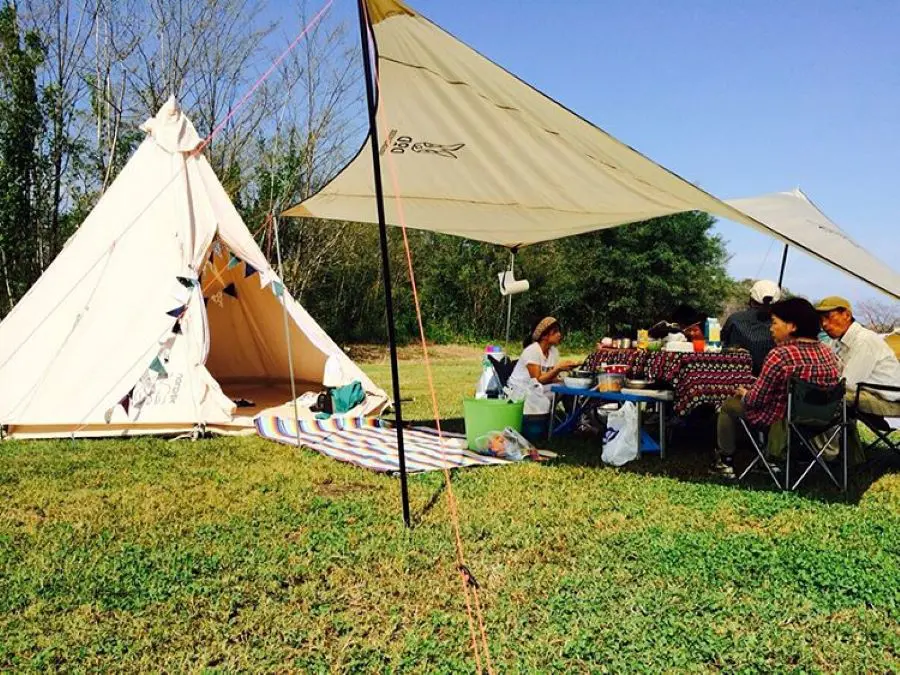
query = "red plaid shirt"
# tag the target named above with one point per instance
(813, 362)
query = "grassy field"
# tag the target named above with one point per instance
(239, 554)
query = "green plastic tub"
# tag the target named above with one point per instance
(490, 414)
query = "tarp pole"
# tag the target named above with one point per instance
(385, 261)
(287, 329)
(512, 268)
(783, 263)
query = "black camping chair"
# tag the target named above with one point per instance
(503, 368)
(877, 424)
(816, 417)
(758, 439)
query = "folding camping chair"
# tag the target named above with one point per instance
(812, 412)
(816, 417)
(758, 439)
(877, 424)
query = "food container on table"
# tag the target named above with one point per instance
(616, 369)
(699, 345)
(638, 384)
(606, 342)
(643, 339)
(625, 343)
(578, 382)
(654, 345)
(610, 382)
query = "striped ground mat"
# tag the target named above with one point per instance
(372, 443)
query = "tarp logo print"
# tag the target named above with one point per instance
(398, 145)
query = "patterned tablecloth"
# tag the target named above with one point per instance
(635, 359)
(697, 379)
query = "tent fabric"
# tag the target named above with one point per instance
(115, 337)
(478, 153)
(470, 150)
(798, 221)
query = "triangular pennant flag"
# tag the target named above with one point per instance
(230, 290)
(249, 270)
(126, 401)
(233, 261)
(206, 301)
(278, 288)
(187, 282)
(177, 312)
(177, 327)
(158, 367)
(212, 256)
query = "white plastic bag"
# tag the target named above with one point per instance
(506, 444)
(536, 401)
(487, 382)
(621, 443)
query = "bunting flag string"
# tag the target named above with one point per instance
(233, 261)
(249, 270)
(178, 312)
(278, 289)
(176, 329)
(231, 290)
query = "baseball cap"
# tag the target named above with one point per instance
(833, 302)
(765, 289)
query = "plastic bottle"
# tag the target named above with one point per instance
(714, 336)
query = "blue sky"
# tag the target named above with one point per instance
(741, 98)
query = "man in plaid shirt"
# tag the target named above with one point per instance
(795, 329)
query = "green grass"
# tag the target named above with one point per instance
(239, 554)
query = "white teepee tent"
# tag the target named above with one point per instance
(160, 312)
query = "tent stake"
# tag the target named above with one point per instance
(385, 261)
(783, 263)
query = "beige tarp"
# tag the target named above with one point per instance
(797, 220)
(473, 151)
(99, 326)
(478, 153)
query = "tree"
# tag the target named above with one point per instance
(880, 316)
(21, 123)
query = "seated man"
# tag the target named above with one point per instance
(865, 357)
(750, 328)
(798, 353)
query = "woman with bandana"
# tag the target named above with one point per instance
(540, 358)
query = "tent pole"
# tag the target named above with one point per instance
(512, 268)
(385, 261)
(287, 330)
(783, 263)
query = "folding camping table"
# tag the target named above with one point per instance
(582, 397)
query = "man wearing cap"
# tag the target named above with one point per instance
(750, 328)
(864, 355)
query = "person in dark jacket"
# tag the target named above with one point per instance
(750, 328)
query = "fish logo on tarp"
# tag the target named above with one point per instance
(399, 145)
